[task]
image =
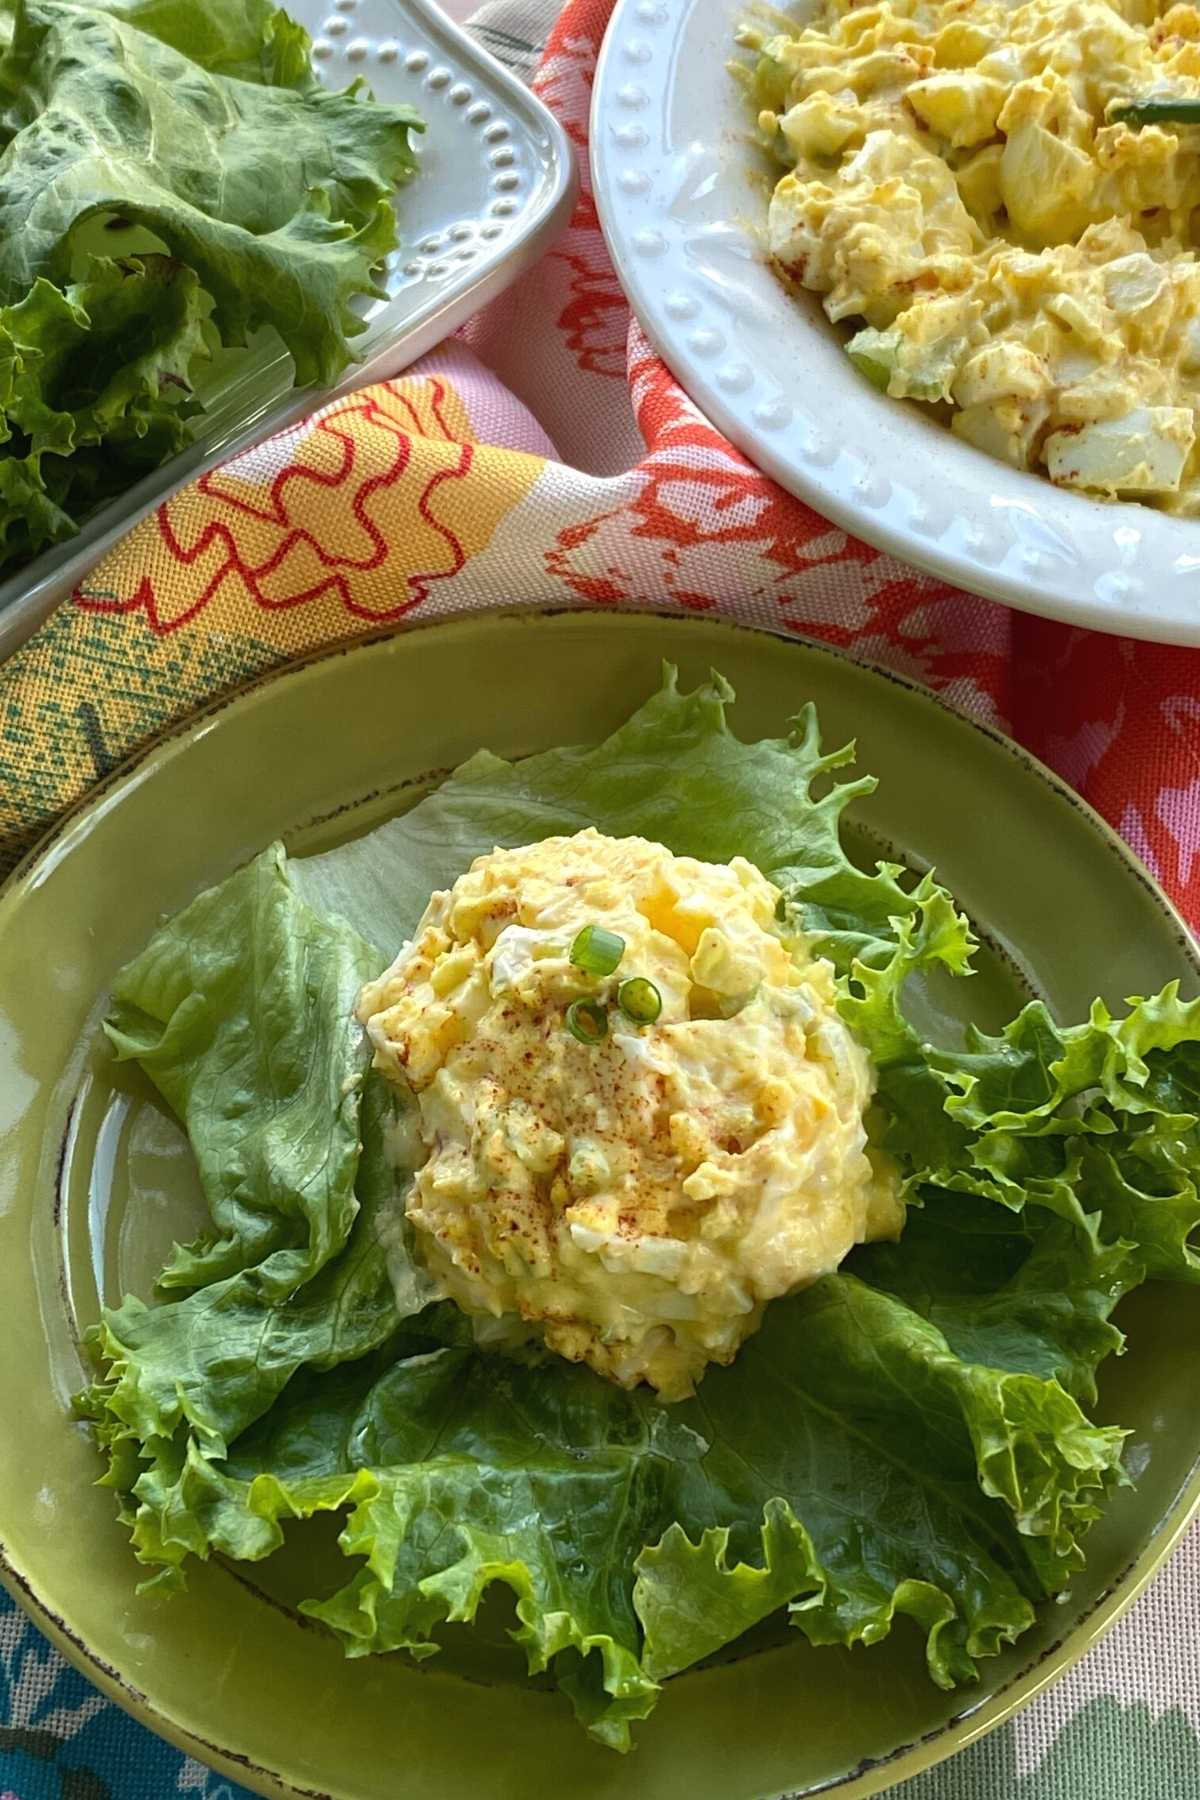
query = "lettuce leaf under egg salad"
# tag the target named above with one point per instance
(910, 1435)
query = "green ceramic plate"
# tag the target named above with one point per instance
(95, 1181)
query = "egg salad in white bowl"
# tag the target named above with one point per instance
(1003, 196)
(932, 266)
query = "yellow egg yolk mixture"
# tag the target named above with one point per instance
(633, 1200)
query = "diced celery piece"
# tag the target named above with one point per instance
(873, 354)
(772, 81)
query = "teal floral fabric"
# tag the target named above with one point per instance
(61, 1740)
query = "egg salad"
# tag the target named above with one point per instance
(1004, 198)
(641, 1115)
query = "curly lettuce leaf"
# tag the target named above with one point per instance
(277, 197)
(96, 385)
(907, 1437)
(636, 1537)
(240, 1010)
(676, 773)
(1015, 1291)
(246, 195)
(910, 1479)
(246, 40)
(197, 1371)
(110, 356)
(1099, 1122)
(30, 517)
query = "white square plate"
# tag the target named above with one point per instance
(496, 182)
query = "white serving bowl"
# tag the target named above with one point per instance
(682, 190)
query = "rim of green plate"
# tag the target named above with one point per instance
(906, 1760)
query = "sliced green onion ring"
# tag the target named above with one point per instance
(639, 1000)
(587, 1021)
(596, 951)
(1160, 110)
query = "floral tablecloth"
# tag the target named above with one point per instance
(546, 456)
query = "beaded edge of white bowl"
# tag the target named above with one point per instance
(364, 38)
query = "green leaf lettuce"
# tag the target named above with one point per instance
(277, 196)
(906, 1437)
(194, 141)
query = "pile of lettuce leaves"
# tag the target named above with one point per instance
(173, 180)
(908, 1436)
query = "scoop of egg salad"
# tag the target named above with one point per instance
(642, 1116)
(962, 180)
